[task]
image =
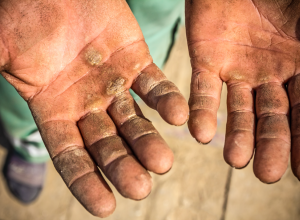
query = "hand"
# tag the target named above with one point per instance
(74, 63)
(252, 46)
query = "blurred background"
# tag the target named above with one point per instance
(200, 186)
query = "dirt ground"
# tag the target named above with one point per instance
(200, 186)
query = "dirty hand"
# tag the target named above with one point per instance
(254, 47)
(74, 62)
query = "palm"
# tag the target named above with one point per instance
(74, 62)
(253, 47)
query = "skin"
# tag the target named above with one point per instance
(74, 62)
(254, 47)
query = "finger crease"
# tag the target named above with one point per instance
(101, 139)
(203, 95)
(141, 72)
(272, 138)
(56, 120)
(67, 150)
(241, 111)
(79, 177)
(296, 105)
(95, 111)
(106, 166)
(154, 85)
(277, 83)
(144, 134)
(198, 109)
(272, 114)
(240, 129)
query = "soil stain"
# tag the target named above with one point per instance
(116, 87)
(93, 57)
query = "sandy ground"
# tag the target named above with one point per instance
(200, 186)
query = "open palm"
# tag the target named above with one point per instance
(74, 63)
(252, 46)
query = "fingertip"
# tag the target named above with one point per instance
(163, 163)
(94, 194)
(173, 108)
(147, 145)
(269, 176)
(154, 153)
(202, 125)
(268, 173)
(271, 160)
(144, 185)
(103, 209)
(236, 161)
(238, 149)
(130, 178)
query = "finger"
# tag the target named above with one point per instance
(204, 103)
(162, 95)
(76, 167)
(239, 141)
(147, 144)
(4, 56)
(273, 133)
(294, 94)
(120, 167)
